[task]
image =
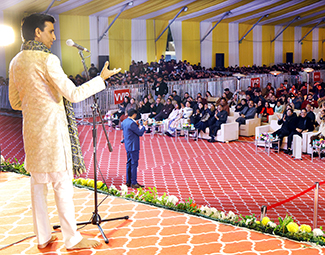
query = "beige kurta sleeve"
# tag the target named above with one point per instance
(14, 98)
(59, 80)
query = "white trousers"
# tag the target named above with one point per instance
(63, 191)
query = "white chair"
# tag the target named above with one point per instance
(273, 126)
(229, 131)
(249, 128)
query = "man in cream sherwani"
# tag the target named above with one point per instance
(37, 85)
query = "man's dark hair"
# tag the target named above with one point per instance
(132, 111)
(30, 23)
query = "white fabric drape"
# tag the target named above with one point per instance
(233, 44)
(139, 40)
(297, 52)
(206, 45)
(176, 30)
(56, 47)
(103, 45)
(257, 45)
(278, 45)
(315, 43)
(2, 55)
(93, 33)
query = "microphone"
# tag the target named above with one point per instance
(73, 44)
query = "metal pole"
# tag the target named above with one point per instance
(253, 27)
(263, 211)
(49, 7)
(298, 17)
(123, 8)
(224, 15)
(316, 204)
(311, 30)
(183, 9)
(307, 84)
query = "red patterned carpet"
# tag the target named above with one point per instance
(226, 176)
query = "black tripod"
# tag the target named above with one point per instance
(96, 219)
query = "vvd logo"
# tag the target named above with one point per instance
(120, 94)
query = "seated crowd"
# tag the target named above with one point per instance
(285, 103)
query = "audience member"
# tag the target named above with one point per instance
(287, 123)
(301, 124)
(219, 118)
(247, 113)
(165, 111)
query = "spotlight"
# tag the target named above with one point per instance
(130, 3)
(7, 35)
(185, 9)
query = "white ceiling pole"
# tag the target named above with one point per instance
(226, 14)
(298, 17)
(49, 7)
(183, 9)
(110, 25)
(310, 30)
(264, 16)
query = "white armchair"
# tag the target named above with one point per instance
(228, 132)
(249, 128)
(306, 148)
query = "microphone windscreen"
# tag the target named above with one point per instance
(70, 42)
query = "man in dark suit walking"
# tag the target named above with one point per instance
(132, 133)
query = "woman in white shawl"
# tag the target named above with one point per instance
(173, 119)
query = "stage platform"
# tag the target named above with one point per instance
(150, 230)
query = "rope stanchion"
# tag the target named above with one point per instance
(263, 211)
(316, 204)
(293, 197)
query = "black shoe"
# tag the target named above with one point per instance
(288, 151)
(315, 154)
(128, 184)
(211, 140)
(122, 141)
(322, 155)
(148, 131)
(168, 134)
(136, 186)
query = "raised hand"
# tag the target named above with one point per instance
(105, 73)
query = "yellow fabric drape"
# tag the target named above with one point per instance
(120, 44)
(191, 42)
(76, 28)
(307, 45)
(246, 47)
(288, 42)
(220, 42)
(267, 46)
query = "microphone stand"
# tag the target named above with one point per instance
(96, 219)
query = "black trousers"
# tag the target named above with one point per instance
(281, 133)
(290, 137)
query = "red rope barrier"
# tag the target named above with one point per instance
(293, 197)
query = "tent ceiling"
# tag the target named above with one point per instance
(281, 12)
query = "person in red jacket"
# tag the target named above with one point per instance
(309, 100)
(266, 111)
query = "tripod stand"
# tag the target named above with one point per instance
(96, 219)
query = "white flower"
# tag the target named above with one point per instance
(318, 232)
(124, 190)
(231, 215)
(2, 160)
(172, 199)
(271, 224)
(214, 211)
(248, 221)
(222, 215)
(159, 199)
(112, 187)
(206, 210)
